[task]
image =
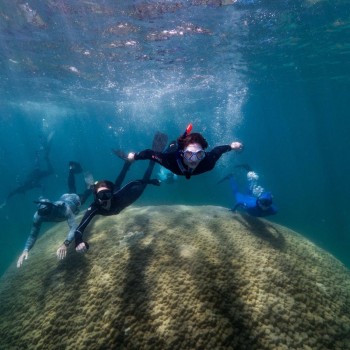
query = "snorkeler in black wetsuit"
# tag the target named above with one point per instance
(34, 178)
(189, 157)
(110, 199)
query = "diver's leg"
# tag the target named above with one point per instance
(74, 168)
(119, 180)
(89, 181)
(71, 182)
(19, 190)
(149, 170)
(46, 146)
(147, 176)
(130, 193)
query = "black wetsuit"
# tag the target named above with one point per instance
(122, 198)
(173, 161)
(73, 189)
(33, 180)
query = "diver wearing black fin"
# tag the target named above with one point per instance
(35, 177)
(111, 199)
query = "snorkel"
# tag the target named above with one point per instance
(183, 136)
(188, 130)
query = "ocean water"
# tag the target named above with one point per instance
(107, 74)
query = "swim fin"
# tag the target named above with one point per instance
(154, 182)
(75, 167)
(89, 179)
(160, 141)
(119, 153)
(227, 177)
(244, 166)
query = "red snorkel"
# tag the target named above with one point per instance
(188, 130)
(181, 139)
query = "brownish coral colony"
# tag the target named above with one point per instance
(178, 277)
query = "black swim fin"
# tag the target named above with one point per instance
(154, 182)
(75, 167)
(244, 166)
(160, 141)
(119, 153)
(227, 177)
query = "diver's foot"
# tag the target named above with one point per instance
(75, 167)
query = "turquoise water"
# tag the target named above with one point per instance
(101, 75)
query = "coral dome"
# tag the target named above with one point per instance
(177, 277)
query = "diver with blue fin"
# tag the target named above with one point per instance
(256, 202)
(66, 208)
(110, 198)
(187, 156)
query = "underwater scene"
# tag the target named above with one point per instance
(242, 246)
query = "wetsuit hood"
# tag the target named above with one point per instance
(265, 199)
(45, 207)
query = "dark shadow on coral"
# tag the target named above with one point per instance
(135, 297)
(224, 298)
(218, 298)
(140, 221)
(68, 273)
(262, 229)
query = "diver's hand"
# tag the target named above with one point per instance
(62, 252)
(131, 156)
(82, 247)
(24, 256)
(237, 146)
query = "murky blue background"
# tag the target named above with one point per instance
(105, 74)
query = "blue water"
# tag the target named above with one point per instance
(106, 74)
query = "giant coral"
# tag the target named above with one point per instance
(178, 277)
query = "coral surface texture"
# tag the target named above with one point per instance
(177, 277)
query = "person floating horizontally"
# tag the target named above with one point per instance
(110, 199)
(65, 208)
(188, 157)
(256, 201)
(35, 177)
